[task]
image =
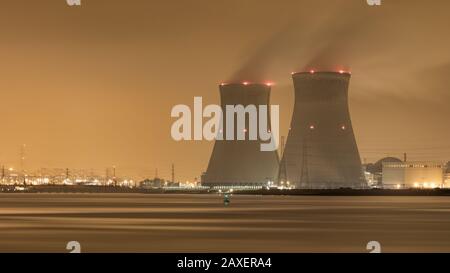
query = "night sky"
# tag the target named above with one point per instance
(93, 86)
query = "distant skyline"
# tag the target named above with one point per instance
(92, 86)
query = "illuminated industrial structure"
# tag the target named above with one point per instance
(60, 176)
(241, 163)
(447, 176)
(426, 175)
(374, 171)
(321, 150)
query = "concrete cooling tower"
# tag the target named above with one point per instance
(321, 150)
(241, 162)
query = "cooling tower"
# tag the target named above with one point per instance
(241, 162)
(321, 150)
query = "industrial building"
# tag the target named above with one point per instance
(426, 175)
(241, 163)
(374, 171)
(152, 183)
(447, 176)
(321, 150)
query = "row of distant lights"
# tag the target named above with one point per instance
(313, 71)
(245, 131)
(426, 185)
(248, 83)
(272, 84)
(313, 127)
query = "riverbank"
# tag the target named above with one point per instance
(300, 192)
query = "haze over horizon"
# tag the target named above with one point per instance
(93, 86)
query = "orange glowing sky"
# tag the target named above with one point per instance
(93, 86)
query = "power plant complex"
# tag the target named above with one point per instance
(320, 151)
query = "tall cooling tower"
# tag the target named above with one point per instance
(241, 162)
(321, 150)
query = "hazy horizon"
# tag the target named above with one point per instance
(92, 86)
